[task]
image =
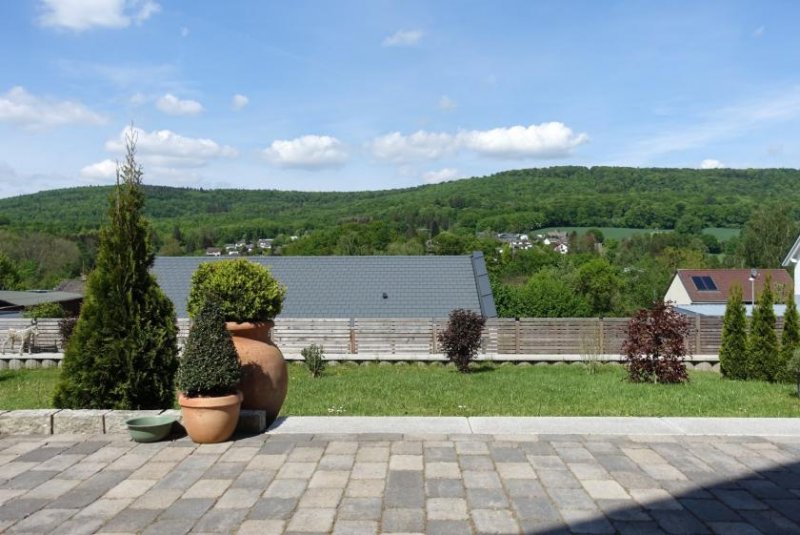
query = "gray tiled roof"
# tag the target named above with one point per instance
(353, 286)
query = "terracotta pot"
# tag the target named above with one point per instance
(265, 378)
(210, 419)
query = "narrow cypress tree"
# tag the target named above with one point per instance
(763, 351)
(790, 339)
(733, 351)
(123, 352)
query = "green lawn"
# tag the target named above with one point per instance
(619, 233)
(376, 390)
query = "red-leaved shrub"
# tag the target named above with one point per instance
(461, 339)
(655, 346)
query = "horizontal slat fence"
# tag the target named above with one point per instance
(416, 338)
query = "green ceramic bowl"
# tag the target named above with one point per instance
(150, 428)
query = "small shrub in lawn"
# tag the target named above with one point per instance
(655, 347)
(461, 339)
(313, 356)
(65, 328)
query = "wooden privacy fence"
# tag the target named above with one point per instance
(415, 338)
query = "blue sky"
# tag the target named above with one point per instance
(374, 94)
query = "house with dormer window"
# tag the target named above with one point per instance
(713, 286)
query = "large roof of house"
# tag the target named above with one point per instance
(26, 299)
(725, 279)
(353, 286)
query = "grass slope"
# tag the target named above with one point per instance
(399, 390)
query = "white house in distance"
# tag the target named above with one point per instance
(706, 291)
(792, 260)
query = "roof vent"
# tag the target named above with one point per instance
(385, 295)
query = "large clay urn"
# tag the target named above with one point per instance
(265, 378)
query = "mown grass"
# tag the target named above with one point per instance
(396, 390)
(619, 233)
(27, 389)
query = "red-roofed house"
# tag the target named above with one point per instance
(713, 286)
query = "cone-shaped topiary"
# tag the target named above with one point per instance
(790, 340)
(209, 365)
(123, 351)
(762, 344)
(733, 351)
(246, 291)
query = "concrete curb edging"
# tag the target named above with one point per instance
(99, 421)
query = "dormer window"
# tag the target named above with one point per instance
(704, 284)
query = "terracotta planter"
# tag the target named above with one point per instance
(265, 378)
(210, 420)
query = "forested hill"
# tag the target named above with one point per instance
(509, 201)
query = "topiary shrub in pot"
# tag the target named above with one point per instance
(208, 376)
(249, 298)
(461, 339)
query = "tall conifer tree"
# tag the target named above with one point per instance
(733, 351)
(123, 352)
(763, 351)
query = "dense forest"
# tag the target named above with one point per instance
(52, 235)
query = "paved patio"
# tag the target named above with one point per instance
(286, 482)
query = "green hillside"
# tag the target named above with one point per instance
(518, 200)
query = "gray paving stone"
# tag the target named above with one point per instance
(678, 522)
(710, 510)
(770, 522)
(172, 526)
(187, 508)
(355, 527)
(404, 489)
(448, 527)
(403, 521)
(535, 508)
(220, 521)
(582, 521)
(359, 509)
(40, 455)
(131, 520)
(440, 454)
(739, 500)
(525, 487)
(487, 499)
(494, 521)
(272, 509)
(30, 479)
(43, 521)
(444, 488)
(573, 499)
(623, 510)
(475, 462)
(562, 479)
(636, 528)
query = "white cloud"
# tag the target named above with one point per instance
(184, 31)
(164, 148)
(79, 15)
(100, 170)
(403, 38)
(420, 145)
(172, 105)
(711, 164)
(446, 103)
(239, 101)
(546, 140)
(310, 152)
(442, 175)
(20, 107)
